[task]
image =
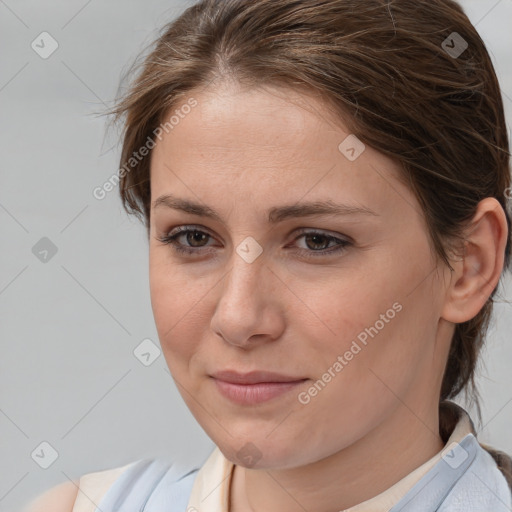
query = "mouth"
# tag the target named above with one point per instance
(254, 387)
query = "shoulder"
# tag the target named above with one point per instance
(503, 461)
(152, 483)
(483, 486)
(60, 498)
(77, 495)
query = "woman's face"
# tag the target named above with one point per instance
(348, 303)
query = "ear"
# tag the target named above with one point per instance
(477, 274)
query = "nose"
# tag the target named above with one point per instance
(249, 309)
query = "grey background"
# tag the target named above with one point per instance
(68, 327)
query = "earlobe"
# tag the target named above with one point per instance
(477, 274)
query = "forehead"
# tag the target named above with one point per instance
(265, 142)
(229, 118)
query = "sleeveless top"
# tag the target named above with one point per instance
(465, 476)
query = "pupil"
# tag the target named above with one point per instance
(316, 237)
(196, 234)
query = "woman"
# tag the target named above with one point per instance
(324, 185)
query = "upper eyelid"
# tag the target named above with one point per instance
(197, 227)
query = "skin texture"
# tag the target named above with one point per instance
(294, 311)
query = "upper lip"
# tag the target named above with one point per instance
(253, 377)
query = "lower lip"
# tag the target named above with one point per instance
(249, 394)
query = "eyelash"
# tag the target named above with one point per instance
(171, 239)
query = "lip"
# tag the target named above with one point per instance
(254, 387)
(254, 377)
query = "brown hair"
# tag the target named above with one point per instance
(387, 68)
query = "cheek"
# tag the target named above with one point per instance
(381, 322)
(368, 366)
(178, 311)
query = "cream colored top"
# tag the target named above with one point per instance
(208, 496)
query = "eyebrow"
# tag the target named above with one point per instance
(275, 214)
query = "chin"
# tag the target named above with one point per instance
(262, 452)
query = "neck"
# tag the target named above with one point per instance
(346, 478)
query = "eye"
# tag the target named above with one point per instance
(317, 242)
(194, 236)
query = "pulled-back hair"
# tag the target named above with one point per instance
(393, 71)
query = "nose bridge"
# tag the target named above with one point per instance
(246, 276)
(244, 307)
